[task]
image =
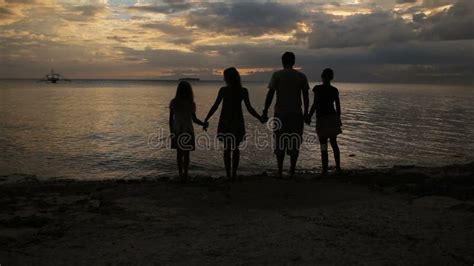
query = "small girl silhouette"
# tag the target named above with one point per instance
(182, 116)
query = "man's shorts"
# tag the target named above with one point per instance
(288, 133)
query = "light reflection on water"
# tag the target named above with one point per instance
(99, 129)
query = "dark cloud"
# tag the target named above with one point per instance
(169, 7)
(84, 13)
(246, 18)
(244, 55)
(424, 5)
(425, 53)
(175, 34)
(358, 30)
(168, 28)
(410, 53)
(182, 41)
(456, 23)
(8, 15)
(415, 61)
(6, 12)
(435, 3)
(22, 2)
(89, 11)
(118, 38)
(418, 17)
(411, 62)
(169, 58)
(406, 1)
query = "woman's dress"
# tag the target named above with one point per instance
(231, 128)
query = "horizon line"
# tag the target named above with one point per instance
(467, 83)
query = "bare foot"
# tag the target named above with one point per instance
(279, 175)
(324, 173)
(235, 177)
(292, 175)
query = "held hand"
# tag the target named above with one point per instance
(264, 117)
(205, 126)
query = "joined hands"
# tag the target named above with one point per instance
(264, 117)
(307, 119)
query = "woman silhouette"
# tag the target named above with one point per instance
(231, 128)
(328, 119)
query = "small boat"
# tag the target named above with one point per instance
(53, 77)
(189, 79)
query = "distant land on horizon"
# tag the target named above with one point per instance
(423, 82)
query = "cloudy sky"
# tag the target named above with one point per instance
(427, 41)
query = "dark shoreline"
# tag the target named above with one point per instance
(451, 180)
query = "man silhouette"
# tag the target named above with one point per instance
(289, 85)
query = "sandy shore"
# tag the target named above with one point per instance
(396, 216)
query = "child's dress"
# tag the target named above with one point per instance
(182, 130)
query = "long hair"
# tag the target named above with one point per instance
(184, 94)
(232, 78)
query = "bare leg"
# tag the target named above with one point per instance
(324, 155)
(179, 159)
(235, 162)
(185, 164)
(227, 160)
(280, 160)
(337, 156)
(293, 160)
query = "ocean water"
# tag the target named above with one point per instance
(100, 129)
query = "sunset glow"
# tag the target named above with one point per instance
(168, 39)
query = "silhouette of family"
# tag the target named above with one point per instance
(291, 89)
